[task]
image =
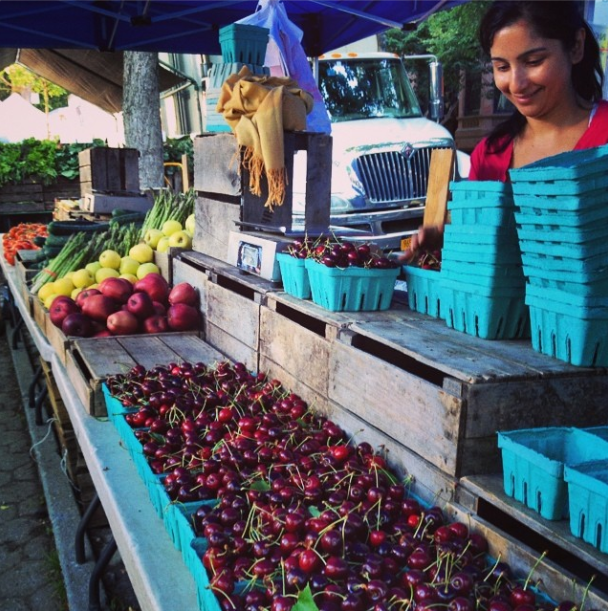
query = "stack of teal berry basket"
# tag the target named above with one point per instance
(562, 223)
(482, 281)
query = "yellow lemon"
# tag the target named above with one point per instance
(110, 258)
(152, 237)
(142, 253)
(63, 286)
(82, 278)
(92, 267)
(76, 291)
(147, 268)
(46, 290)
(171, 226)
(106, 272)
(128, 265)
(130, 277)
(163, 244)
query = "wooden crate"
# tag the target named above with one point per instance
(39, 314)
(550, 576)
(102, 203)
(25, 274)
(444, 394)
(57, 338)
(230, 303)
(224, 196)
(484, 496)
(113, 170)
(91, 360)
(164, 261)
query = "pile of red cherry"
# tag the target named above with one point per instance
(298, 513)
(340, 253)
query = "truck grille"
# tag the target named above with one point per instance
(390, 177)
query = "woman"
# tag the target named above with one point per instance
(546, 62)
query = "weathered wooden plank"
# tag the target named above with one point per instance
(483, 493)
(183, 271)
(192, 348)
(576, 398)
(416, 413)
(459, 355)
(101, 356)
(86, 385)
(555, 580)
(300, 351)
(148, 350)
(424, 479)
(316, 401)
(234, 313)
(233, 348)
(216, 164)
(214, 220)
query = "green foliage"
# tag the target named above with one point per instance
(66, 158)
(451, 35)
(15, 78)
(174, 148)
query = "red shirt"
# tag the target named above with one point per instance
(495, 166)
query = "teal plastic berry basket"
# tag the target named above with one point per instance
(424, 290)
(483, 211)
(588, 502)
(471, 254)
(491, 282)
(583, 250)
(560, 204)
(592, 286)
(572, 173)
(485, 313)
(489, 190)
(576, 236)
(244, 43)
(585, 269)
(533, 465)
(352, 289)
(480, 234)
(481, 268)
(562, 219)
(567, 302)
(578, 336)
(294, 275)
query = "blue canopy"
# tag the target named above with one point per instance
(191, 26)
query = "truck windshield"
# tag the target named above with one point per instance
(364, 88)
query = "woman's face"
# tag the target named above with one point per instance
(533, 73)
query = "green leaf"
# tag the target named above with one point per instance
(305, 602)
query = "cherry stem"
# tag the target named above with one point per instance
(586, 592)
(540, 559)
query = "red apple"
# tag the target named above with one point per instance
(77, 325)
(86, 293)
(61, 307)
(182, 317)
(160, 308)
(183, 292)
(99, 307)
(103, 333)
(122, 322)
(155, 285)
(140, 304)
(118, 289)
(156, 323)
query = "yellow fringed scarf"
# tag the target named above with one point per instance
(258, 110)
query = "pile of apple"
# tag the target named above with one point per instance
(292, 512)
(118, 307)
(172, 234)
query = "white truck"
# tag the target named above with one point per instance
(382, 144)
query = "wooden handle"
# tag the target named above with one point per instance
(440, 173)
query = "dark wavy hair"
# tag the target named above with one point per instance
(558, 20)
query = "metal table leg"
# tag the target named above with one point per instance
(42, 395)
(33, 384)
(16, 333)
(100, 566)
(82, 528)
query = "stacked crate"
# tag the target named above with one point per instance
(242, 45)
(562, 216)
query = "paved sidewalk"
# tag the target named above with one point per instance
(30, 576)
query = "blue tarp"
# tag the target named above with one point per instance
(191, 26)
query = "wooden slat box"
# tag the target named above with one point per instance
(485, 497)
(550, 576)
(39, 314)
(296, 338)
(57, 338)
(25, 274)
(444, 394)
(230, 304)
(91, 360)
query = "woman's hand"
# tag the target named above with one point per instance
(427, 238)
